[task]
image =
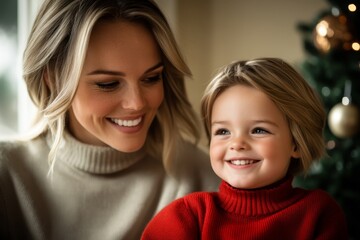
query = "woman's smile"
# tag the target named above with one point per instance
(127, 123)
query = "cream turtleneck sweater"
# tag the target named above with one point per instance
(94, 192)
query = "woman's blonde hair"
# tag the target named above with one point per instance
(295, 98)
(54, 57)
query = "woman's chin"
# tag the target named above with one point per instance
(128, 148)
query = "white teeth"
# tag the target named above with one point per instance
(127, 123)
(242, 162)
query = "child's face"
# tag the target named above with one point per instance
(251, 144)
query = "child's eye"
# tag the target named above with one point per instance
(108, 85)
(222, 131)
(259, 131)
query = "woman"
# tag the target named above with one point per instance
(109, 149)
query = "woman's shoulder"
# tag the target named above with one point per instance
(12, 153)
(190, 155)
(13, 145)
(12, 149)
(193, 164)
(189, 150)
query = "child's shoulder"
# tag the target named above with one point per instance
(318, 194)
(320, 198)
(201, 197)
(196, 202)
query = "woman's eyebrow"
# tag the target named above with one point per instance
(119, 73)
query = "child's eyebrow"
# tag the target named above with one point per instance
(267, 122)
(254, 121)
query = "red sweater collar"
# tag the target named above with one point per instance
(258, 202)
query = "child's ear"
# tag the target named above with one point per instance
(295, 153)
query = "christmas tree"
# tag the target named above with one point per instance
(332, 66)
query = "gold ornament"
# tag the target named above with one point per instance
(332, 32)
(344, 120)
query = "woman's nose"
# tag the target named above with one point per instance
(133, 98)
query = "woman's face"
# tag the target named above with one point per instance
(120, 88)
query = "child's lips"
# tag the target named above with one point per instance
(242, 161)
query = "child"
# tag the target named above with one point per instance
(265, 125)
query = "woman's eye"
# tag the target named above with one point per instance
(153, 79)
(222, 131)
(259, 131)
(107, 85)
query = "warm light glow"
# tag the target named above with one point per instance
(345, 101)
(342, 19)
(352, 7)
(355, 46)
(331, 144)
(322, 28)
(323, 42)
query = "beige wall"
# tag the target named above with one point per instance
(211, 33)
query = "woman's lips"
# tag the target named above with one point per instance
(127, 123)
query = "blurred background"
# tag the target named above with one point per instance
(320, 38)
(8, 66)
(16, 110)
(211, 33)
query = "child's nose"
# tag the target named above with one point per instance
(239, 143)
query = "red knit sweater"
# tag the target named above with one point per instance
(275, 212)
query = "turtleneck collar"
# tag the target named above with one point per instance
(94, 159)
(258, 202)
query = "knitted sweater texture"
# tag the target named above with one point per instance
(94, 192)
(275, 212)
